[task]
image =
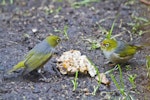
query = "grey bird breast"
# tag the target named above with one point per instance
(43, 47)
(121, 46)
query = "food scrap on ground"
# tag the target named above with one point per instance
(71, 61)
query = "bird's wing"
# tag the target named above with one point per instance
(128, 51)
(30, 54)
(36, 61)
(125, 49)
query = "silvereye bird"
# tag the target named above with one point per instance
(118, 51)
(38, 56)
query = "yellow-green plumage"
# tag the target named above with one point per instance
(128, 50)
(16, 67)
(118, 51)
(38, 56)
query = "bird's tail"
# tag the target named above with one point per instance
(143, 45)
(16, 67)
(139, 47)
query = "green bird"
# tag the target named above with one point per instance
(118, 51)
(38, 56)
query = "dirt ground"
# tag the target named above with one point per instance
(26, 22)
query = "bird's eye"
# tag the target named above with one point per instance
(107, 45)
(58, 40)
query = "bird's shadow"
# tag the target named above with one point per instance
(33, 76)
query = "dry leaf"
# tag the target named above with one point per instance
(103, 79)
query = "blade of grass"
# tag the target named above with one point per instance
(11, 1)
(3, 2)
(120, 86)
(111, 70)
(83, 2)
(97, 71)
(140, 19)
(148, 65)
(102, 29)
(75, 83)
(131, 78)
(99, 79)
(108, 36)
(121, 76)
(65, 32)
(117, 85)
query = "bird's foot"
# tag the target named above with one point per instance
(41, 72)
(110, 64)
(57, 71)
(107, 62)
(44, 79)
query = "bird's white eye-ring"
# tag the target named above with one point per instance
(58, 40)
(107, 45)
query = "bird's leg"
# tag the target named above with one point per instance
(110, 63)
(40, 71)
(107, 62)
(57, 71)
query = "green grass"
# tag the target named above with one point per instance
(50, 11)
(58, 0)
(4, 2)
(11, 1)
(65, 29)
(83, 3)
(65, 32)
(58, 9)
(99, 79)
(102, 29)
(131, 79)
(95, 89)
(130, 2)
(138, 24)
(75, 83)
(94, 45)
(128, 67)
(148, 65)
(108, 32)
(111, 70)
(119, 85)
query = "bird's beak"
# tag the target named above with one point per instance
(101, 44)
